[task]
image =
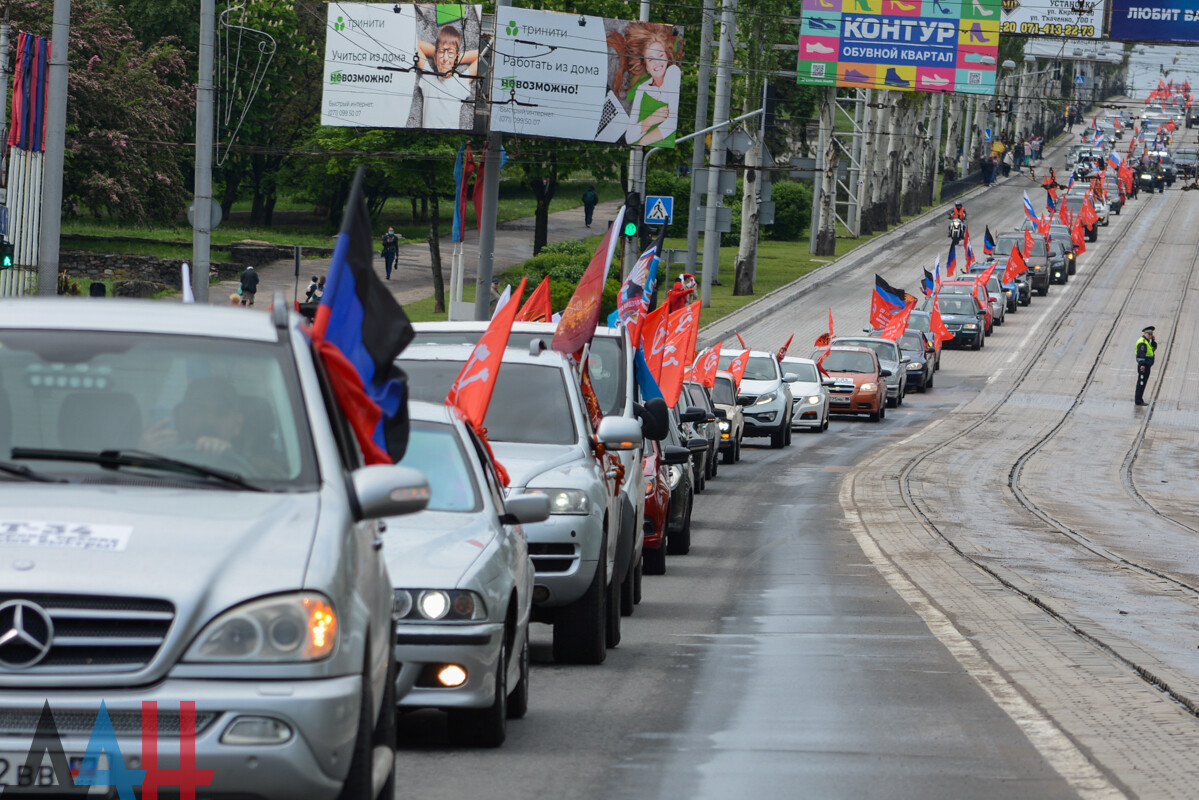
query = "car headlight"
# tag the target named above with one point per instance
(769, 397)
(651, 484)
(868, 387)
(675, 473)
(970, 326)
(914, 365)
(565, 501)
(814, 400)
(439, 605)
(723, 425)
(289, 627)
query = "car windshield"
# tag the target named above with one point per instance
(759, 368)
(722, 393)
(1005, 243)
(921, 322)
(886, 351)
(849, 361)
(221, 404)
(805, 372)
(435, 450)
(696, 393)
(529, 404)
(606, 364)
(912, 341)
(956, 305)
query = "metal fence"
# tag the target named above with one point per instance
(17, 282)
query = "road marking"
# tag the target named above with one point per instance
(1048, 739)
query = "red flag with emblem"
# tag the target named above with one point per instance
(1043, 224)
(782, 353)
(825, 340)
(653, 339)
(1078, 237)
(936, 324)
(1015, 266)
(472, 389)
(1028, 243)
(897, 325)
(687, 318)
(737, 368)
(1087, 214)
(537, 308)
(705, 366)
(1064, 214)
(674, 365)
(582, 313)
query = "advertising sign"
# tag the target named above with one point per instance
(912, 45)
(401, 66)
(1052, 18)
(566, 76)
(1155, 20)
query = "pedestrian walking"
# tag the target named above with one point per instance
(310, 292)
(249, 285)
(1007, 163)
(988, 167)
(1018, 161)
(391, 245)
(1146, 346)
(590, 199)
(495, 294)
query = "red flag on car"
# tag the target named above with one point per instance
(744, 346)
(897, 325)
(1028, 244)
(577, 325)
(782, 353)
(1015, 266)
(937, 324)
(706, 364)
(472, 389)
(674, 365)
(737, 368)
(537, 308)
(1078, 237)
(653, 338)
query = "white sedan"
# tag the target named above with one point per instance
(811, 395)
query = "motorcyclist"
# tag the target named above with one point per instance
(958, 211)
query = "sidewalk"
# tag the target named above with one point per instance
(412, 277)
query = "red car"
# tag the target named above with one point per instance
(657, 509)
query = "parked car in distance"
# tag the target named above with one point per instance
(732, 424)
(811, 407)
(463, 584)
(859, 382)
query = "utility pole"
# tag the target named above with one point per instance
(701, 121)
(4, 105)
(724, 73)
(637, 176)
(56, 145)
(205, 124)
(491, 199)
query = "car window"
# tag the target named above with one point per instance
(920, 322)
(805, 373)
(232, 405)
(696, 393)
(1005, 243)
(529, 404)
(956, 305)
(434, 449)
(722, 392)
(849, 361)
(912, 341)
(886, 351)
(758, 368)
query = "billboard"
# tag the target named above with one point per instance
(909, 45)
(401, 66)
(566, 76)
(1155, 20)
(1063, 18)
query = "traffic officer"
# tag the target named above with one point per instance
(1146, 345)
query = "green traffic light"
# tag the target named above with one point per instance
(630, 229)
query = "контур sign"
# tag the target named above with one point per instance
(569, 77)
(401, 66)
(911, 45)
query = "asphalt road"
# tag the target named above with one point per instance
(985, 595)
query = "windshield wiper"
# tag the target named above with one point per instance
(22, 471)
(112, 459)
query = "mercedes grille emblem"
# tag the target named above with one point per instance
(26, 632)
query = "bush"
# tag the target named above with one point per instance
(570, 247)
(792, 210)
(666, 183)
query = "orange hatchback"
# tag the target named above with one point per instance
(859, 385)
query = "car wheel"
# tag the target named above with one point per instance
(612, 623)
(655, 561)
(579, 627)
(1073, 268)
(638, 573)
(923, 387)
(679, 543)
(928, 384)
(715, 461)
(382, 735)
(518, 698)
(889, 403)
(484, 727)
(903, 392)
(730, 453)
(977, 344)
(628, 598)
(983, 338)
(777, 438)
(787, 443)
(882, 412)
(875, 416)
(825, 426)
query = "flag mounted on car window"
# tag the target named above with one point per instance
(927, 286)
(358, 332)
(885, 301)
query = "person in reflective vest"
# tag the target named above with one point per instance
(1146, 346)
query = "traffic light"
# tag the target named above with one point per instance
(6, 253)
(632, 214)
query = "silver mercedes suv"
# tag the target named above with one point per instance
(190, 543)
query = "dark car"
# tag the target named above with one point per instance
(692, 423)
(1060, 233)
(1038, 261)
(698, 394)
(920, 368)
(657, 462)
(1186, 162)
(1151, 177)
(1074, 204)
(923, 321)
(1011, 289)
(681, 476)
(965, 318)
(1060, 261)
(1167, 164)
(1115, 194)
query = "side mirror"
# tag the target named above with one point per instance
(905, 360)
(744, 401)
(722, 414)
(697, 444)
(884, 373)
(693, 414)
(654, 415)
(525, 509)
(389, 491)
(866, 330)
(619, 433)
(790, 377)
(675, 455)
(828, 382)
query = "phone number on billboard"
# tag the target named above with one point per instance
(1047, 29)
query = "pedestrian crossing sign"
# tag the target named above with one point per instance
(659, 209)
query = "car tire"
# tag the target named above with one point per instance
(484, 727)
(638, 574)
(579, 630)
(628, 595)
(977, 344)
(612, 623)
(825, 426)
(359, 781)
(903, 392)
(518, 698)
(655, 561)
(790, 433)
(738, 450)
(777, 439)
(923, 387)
(679, 543)
(715, 461)
(928, 384)
(730, 453)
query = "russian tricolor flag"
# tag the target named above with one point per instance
(1029, 211)
(1114, 159)
(358, 332)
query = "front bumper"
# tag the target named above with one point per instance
(805, 415)
(421, 648)
(765, 419)
(964, 337)
(856, 403)
(322, 714)
(565, 550)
